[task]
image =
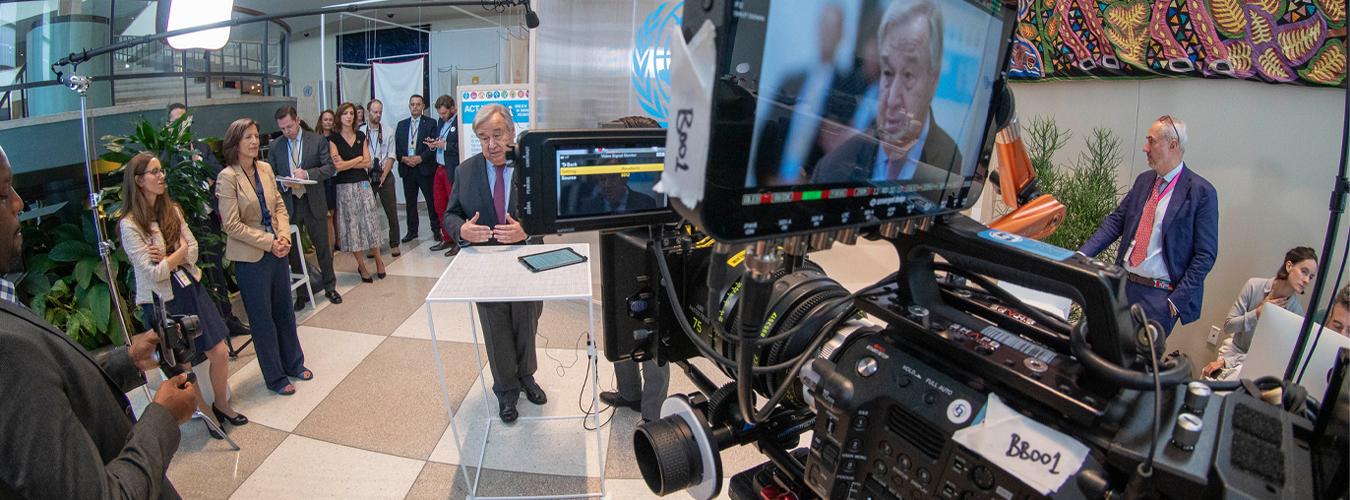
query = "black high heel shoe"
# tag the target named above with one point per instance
(237, 420)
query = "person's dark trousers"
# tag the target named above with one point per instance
(650, 387)
(1154, 302)
(389, 201)
(508, 330)
(413, 184)
(266, 290)
(316, 223)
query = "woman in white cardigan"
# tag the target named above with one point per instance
(163, 255)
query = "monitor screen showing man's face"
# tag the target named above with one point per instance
(908, 80)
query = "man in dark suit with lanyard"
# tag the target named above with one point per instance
(480, 214)
(304, 155)
(66, 427)
(1168, 228)
(417, 165)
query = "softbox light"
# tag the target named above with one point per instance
(182, 14)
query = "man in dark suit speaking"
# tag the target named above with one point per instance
(1168, 228)
(905, 143)
(417, 165)
(66, 427)
(480, 214)
(613, 196)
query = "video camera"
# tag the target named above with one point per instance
(177, 334)
(935, 382)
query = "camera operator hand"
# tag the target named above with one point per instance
(509, 233)
(178, 396)
(142, 350)
(475, 232)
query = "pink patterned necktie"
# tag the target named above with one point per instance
(499, 194)
(1145, 229)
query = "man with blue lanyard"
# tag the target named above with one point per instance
(304, 155)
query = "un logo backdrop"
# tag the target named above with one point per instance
(651, 59)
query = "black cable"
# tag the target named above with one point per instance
(1035, 313)
(1179, 372)
(1331, 304)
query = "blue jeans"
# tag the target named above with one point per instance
(265, 286)
(1154, 302)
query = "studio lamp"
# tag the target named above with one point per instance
(184, 14)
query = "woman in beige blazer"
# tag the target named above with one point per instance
(258, 230)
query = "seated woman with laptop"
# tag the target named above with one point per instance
(1297, 271)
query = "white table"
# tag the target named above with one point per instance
(493, 274)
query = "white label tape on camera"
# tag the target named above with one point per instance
(1029, 450)
(690, 121)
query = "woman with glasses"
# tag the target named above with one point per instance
(163, 255)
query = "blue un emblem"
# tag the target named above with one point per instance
(651, 59)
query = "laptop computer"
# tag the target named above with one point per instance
(1273, 345)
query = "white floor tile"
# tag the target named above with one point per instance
(452, 324)
(307, 468)
(544, 446)
(345, 283)
(331, 354)
(420, 261)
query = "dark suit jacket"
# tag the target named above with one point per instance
(451, 145)
(1190, 229)
(473, 193)
(854, 160)
(839, 105)
(634, 201)
(426, 129)
(316, 161)
(66, 429)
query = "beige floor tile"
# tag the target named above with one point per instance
(208, 468)
(330, 354)
(446, 481)
(420, 262)
(392, 403)
(308, 468)
(375, 308)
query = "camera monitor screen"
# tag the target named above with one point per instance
(598, 180)
(864, 110)
(582, 180)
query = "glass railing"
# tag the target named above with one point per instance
(42, 31)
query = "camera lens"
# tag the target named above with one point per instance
(668, 455)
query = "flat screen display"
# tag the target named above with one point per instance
(863, 111)
(602, 181)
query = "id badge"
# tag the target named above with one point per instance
(365, 184)
(180, 276)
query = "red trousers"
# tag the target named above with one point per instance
(440, 196)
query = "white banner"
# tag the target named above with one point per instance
(516, 98)
(394, 84)
(355, 85)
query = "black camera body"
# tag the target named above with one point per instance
(177, 334)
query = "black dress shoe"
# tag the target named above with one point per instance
(333, 296)
(301, 301)
(453, 251)
(507, 411)
(535, 394)
(440, 246)
(614, 399)
(409, 238)
(437, 234)
(239, 418)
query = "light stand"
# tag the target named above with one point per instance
(80, 85)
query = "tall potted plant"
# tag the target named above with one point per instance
(65, 280)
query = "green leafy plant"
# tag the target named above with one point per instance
(66, 281)
(1087, 187)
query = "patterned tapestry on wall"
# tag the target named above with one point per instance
(1277, 41)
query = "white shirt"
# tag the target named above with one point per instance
(381, 142)
(1153, 265)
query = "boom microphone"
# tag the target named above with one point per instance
(531, 19)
